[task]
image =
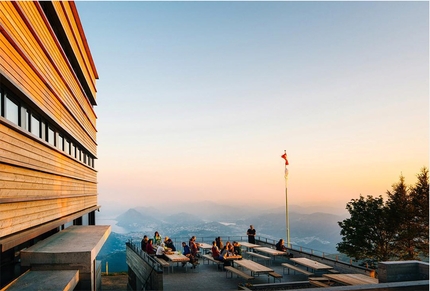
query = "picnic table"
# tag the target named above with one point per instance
(232, 258)
(352, 279)
(308, 263)
(254, 267)
(249, 245)
(176, 257)
(270, 251)
(206, 247)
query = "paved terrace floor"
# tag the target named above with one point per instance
(209, 277)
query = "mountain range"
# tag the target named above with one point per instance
(318, 231)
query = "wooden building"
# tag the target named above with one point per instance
(48, 145)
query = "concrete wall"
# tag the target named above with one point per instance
(339, 266)
(74, 248)
(143, 271)
(396, 286)
(400, 271)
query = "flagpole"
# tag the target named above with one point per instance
(286, 211)
(287, 220)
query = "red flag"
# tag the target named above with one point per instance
(284, 156)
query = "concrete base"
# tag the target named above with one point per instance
(45, 280)
(74, 248)
(400, 271)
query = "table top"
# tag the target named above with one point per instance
(249, 245)
(311, 264)
(205, 246)
(235, 257)
(352, 279)
(175, 257)
(253, 266)
(270, 251)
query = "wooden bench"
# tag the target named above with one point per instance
(163, 263)
(295, 268)
(333, 271)
(210, 258)
(319, 281)
(252, 255)
(237, 272)
(275, 276)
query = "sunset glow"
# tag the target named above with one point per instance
(198, 100)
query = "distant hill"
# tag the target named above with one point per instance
(183, 219)
(210, 219)
(137, 221)
(315, 230)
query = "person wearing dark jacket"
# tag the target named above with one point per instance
(169, 244)
(144, 242)
(150, 248)
(280, 247)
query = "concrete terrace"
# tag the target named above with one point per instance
(207, 276)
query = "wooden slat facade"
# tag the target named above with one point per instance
(42, 186)
(29, 64)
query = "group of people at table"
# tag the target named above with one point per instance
(223, 252)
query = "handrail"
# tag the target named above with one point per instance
(271, 242)
(153, 263)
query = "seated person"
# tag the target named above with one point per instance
(194, 248)
(187, 253)
(237, 248)
(160, 251)
(169, 244)
(280, 246)
(144, 242)
(150, 248)
(157, 239)
(230, 248)
(193, 240)
(224, 254)
(215, 251)
(186, 249)
(219, 243)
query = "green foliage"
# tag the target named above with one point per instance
(394, 230)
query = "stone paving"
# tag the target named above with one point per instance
(209, 277)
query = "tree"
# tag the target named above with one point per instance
(365, 236)
(400, 215)
(397, 229)
(420, 205)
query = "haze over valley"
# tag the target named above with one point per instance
(207, 220)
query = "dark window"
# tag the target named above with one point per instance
(11, 110)
(35, 126)
(61, 142)
(17, 112)
(51, 136)
(67, 146)
(73, 150)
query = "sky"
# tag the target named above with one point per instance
(197, 101)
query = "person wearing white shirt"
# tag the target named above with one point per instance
(160, 251)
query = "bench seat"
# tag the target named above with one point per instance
(237, 272)
(318, 283)
(252, 255)
(163, 263)
(210, 258)
(275, 276)
(295, 268)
